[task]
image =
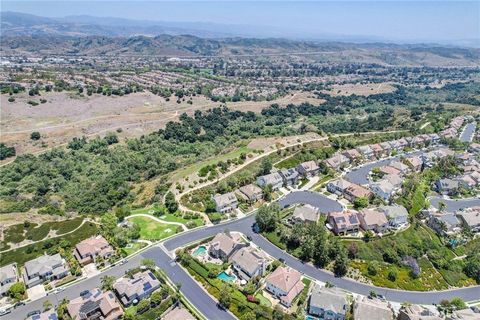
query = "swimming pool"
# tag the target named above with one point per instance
(311, 318)
(227, 278)
(199, 251)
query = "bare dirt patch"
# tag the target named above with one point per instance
(360, 89)
(65, 116)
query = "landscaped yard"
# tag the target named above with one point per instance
(153, 230)
(135, 246)
(169, 217)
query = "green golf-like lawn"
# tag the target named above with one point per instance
(153, 230)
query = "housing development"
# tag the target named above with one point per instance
(147, 173)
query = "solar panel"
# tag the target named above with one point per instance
(152, 276)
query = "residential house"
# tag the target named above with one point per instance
(374, 220)
(285, 284)
(353, 155)
(338, 187)
(305, 213)
(389, 170)
(223, 245)
(397, 215)
(395, 145)
(475, 175)
(290, 177)
(444, 224)
(328, 303)
(177, 313)
(354, 191)
(387, 147)
(463, 314)
(415, 163)
(447, 186)
(467, 182)
(89, 249)
(44, 268)
(395, 180)
(226, 202)
(403, 143)
(403, 168)
(365, 308)
(366, 152)
(140, 286)
(308, 168)
(46, 315)
(434, 138)
(95, 304)
(344, 222)
(248, 263)
(418, 142)
(474, 147)
(337, 162)
(471, 218)
(8, 276)
(383, 189)
(416, 312)
(377, 150)
(251, 193)
(273, 179)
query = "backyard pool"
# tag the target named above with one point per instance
(311, 318)
(225, 277)
(199, 251)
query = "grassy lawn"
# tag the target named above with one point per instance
(153, 230)
(169, 217)
(24, 254)
(263, 301)
(135, 247)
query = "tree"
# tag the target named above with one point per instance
(17, 291)
(267, 217)
(266, 166)
(149, 263)
(109, 223)
(170, 202)
(156, 298)
(458, 303)
(62, 309)
(35, 135)
(392, 274)
(47, 305)
(250, 315)
(361, 202)
(353, 250)
(340, 267)
(442, 205)
(143, 305)
(225, 298)
(472, 266)
(121, 213)
(107, 282)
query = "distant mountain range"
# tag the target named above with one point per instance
(90, 36)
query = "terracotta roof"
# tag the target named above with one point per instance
(284, 278)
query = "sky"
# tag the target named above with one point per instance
(382, 19)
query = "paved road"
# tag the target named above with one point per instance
(467, 133)
(207, 306)
(360, 174)
(455, 204)
(315, 199)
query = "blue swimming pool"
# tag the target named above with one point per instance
(311, 318)
(225, 277)
(199, 251)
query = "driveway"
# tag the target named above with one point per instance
(453, 205)
(315, 199)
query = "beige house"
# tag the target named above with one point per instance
(177, 314)
(285, 284)
(374, 220)
(224, 245)
(344, 222)
(89, 249)
(365, 308)
(308, 168)
(248, 263)
(251, 193)
(305, 213)
(95, 304)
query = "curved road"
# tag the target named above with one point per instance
(468, 132)
(453, 205)
(204, 302)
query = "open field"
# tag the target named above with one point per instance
(360, 89)
(66, 115)
(152, 230)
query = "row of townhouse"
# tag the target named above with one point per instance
(251, 193)
(246, 261)
(47, 268)
(377, 220)
(340, 160)
(452, 130)
(334, 304)
(452, 223)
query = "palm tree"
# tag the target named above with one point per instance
(107, 282)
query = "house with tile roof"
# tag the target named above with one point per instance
(223, 245)
(89, 249)
(8, 276)
(285, 284)
(328, 303)
(248, 263)
(44, 268)
(344, 222)
(95, 304)
(140, 286)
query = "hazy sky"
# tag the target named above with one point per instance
(395, 20)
